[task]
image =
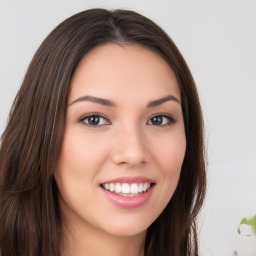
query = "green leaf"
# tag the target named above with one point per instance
(250, 222)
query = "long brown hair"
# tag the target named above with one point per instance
(30, 221)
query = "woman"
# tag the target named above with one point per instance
(103, 151)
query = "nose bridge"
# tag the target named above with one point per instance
(129, 145)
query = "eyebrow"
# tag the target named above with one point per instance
(162, 100)
(101, 101)
(109, 103)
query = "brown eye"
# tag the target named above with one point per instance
(161, 120)
(157, 120)
(94, 120)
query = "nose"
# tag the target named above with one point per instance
(129, 148)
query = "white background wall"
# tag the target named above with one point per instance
(218, 40)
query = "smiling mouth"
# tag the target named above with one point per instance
(126, 189)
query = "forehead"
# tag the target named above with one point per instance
(115, 70)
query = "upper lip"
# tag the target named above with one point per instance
(130, 180)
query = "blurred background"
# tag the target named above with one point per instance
(218, 41)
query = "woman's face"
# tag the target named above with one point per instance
(124, 141)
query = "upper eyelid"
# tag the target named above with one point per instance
(162, 114)
(93, 114)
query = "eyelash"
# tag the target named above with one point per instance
(94, 115)
(169, 120)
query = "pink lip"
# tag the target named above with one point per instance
(130, 180)
(129, 201)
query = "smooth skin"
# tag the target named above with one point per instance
(124, 119)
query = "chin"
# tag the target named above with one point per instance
(127, 227)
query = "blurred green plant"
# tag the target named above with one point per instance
(251, 222)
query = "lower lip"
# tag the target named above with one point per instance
(129, 201)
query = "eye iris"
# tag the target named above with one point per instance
(157, 120)
(93, 120)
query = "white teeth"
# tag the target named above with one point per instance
(134, 188)
(112, 187)
(118, 188)
(145, 186)
(127, 189)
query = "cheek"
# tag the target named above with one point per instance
(74, 164)
(170, 154)
(80, 153)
